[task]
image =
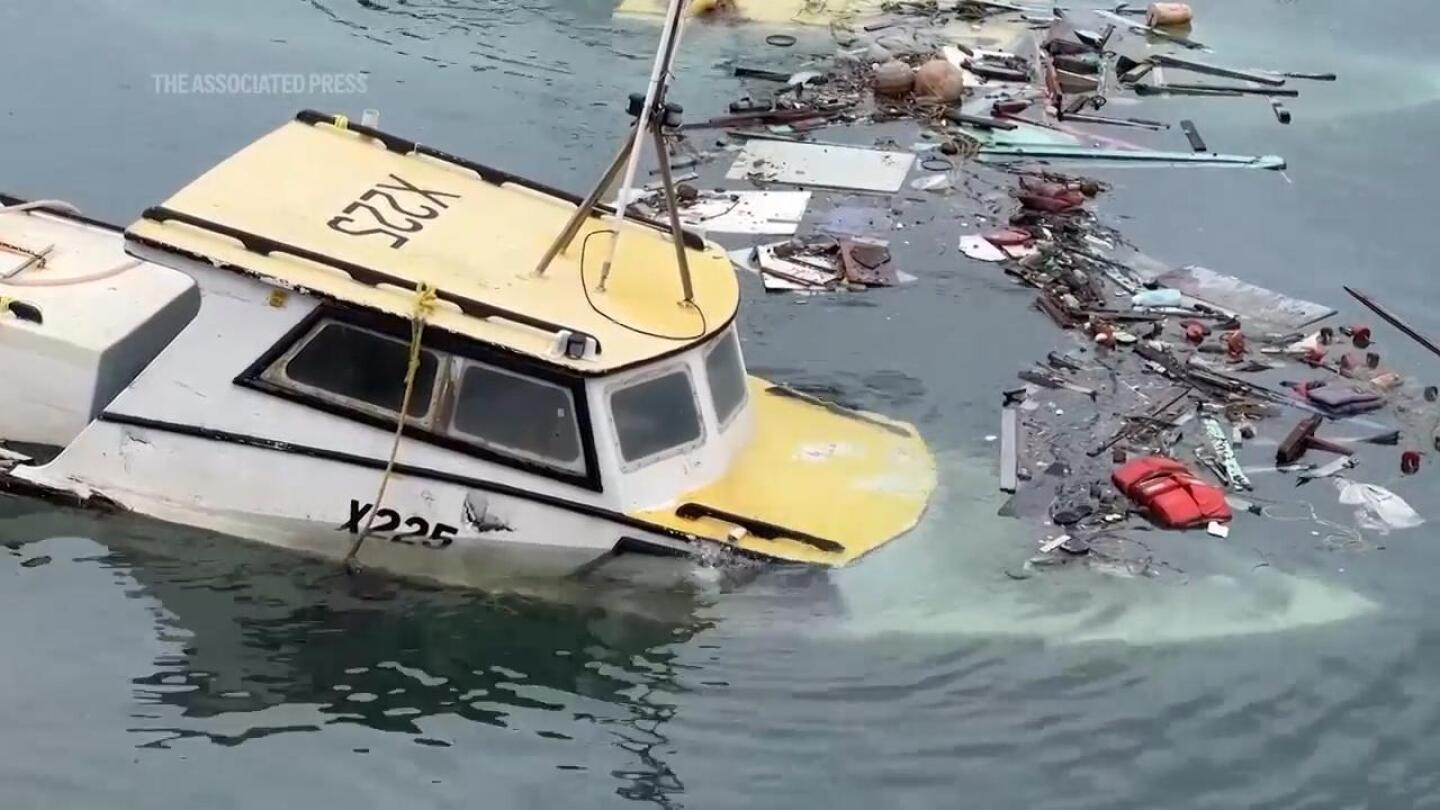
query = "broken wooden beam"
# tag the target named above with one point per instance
(1132, 421)
(999, 74)
(981, 121)
(1297, 441)
(1149, 29)
(1193, 135)
(1221, 88)
(770, 117)
(1172, 90)
(1166, 60)
(1047, 304)
(1137, 123)
(1392, 320)
(757, 73)
(1009, 449)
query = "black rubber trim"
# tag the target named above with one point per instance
(323, 296)
(634, 545)
(623, 546)
(404, 146)
(759, 528)
(210, 434)
(399, 328)
(596, 564)
(327, 298)
(264, 246)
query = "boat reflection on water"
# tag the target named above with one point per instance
(255, 643)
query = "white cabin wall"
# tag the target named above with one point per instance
(97, 333)
(192, 383)
(46, 388)
(123, 361)
(666, 481)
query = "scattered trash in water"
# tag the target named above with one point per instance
(825, 166)
(980, 249)
(1178, 379)
(1380, 509)
(757, 212)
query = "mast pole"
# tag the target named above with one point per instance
(659, 76)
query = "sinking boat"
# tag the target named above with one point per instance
(238, 360)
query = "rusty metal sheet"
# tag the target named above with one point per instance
(868, 262)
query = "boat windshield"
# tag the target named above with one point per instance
(517, 415)
(372, 375)
(656, 418)
(726, 373)
(494, 411)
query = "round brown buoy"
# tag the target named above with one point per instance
(940, 80)
(893, 78)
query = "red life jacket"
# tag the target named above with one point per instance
(1172, 494)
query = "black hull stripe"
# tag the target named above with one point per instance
(265, 246)
(426, 473)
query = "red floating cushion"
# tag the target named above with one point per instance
(1142, 468)
(1174, 497)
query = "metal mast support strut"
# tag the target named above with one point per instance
(652, 115)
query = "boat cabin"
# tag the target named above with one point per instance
(339, 268)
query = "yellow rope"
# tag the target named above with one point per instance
(424, 305)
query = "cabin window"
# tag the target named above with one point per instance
(656, 416)
(518, 416)
(727, 377)
(522, 415)
(362, 367)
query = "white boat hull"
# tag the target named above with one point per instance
(269, 410)
(443, 531)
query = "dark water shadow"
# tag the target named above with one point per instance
(262, 629)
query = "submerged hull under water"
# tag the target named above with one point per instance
(1169, 588)
(953, 577)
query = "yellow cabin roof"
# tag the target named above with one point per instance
(321, 208)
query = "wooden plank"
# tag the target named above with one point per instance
(1009, 449)
(1193, 135)
(1167, 60)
